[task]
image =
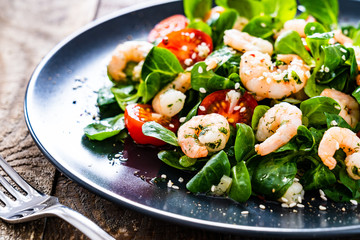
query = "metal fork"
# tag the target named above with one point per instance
(34, 204)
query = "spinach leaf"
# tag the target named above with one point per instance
(107, 103)
(325, 11)
(290, 42)
(201, 78)
(351, 184)
(105, 128)
(196, 8)
(356, 94)
(156, 130)
(313, 28)
(283, 9)
(228, 61)
(200, 25)
(125, 94)
(259, 111)
(163, 62)
(305, 139)
(274, 174)
(172, 158)
(313, 110)
(225, 21)
(338, 193)
(318, 177)
(263, 26)
(336, 120)
(245, 8)
(240, 189)
(210, 174)
(149, 87)
(244, 141)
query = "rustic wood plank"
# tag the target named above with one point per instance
(28, 30)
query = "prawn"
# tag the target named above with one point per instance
(266, 80)
(278, 125)
(130, 51)
(243, 42)
(203, 134)
(170, 100)
(297, 25)
(349, 106)
(335, 138)
(352, 163)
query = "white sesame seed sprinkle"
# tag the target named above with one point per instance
(322, 208)
(263, 25)
(181, 179)
(262, 206)
(171, 125)
(312, 28)
(202, 108)
(343, 57)
(284, 200)
(284, 205)
(202, 90)
(175, 187)
(237, 85)
(343, 50)
(326, 69)
(163, 176)
(323, 197)
(182, 119)
(299, 199)
(200, 70)
(353, 202)
(299, 205)
(296, 179)
(293, 204)
(243, 109)
(321, 192)
(170, 183)
(244, 212)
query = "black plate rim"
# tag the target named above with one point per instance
(153, 212)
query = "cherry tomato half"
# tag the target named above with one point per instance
(235, 111)
(135, 117)
(168, 25)
(189, 45)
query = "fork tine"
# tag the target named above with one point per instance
(5, 199)
(16, 177)
(11, 189)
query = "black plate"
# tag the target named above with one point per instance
(60, 101)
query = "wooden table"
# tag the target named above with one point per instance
(28, 30)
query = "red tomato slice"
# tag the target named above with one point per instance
(189, 45)
(135, 117)
(235, 111)
(168, 25)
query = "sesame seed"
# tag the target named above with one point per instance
(174, 187)
(243, 109)
(213, 188)
(343, 209)
(323, 198)
(200, 70)
(299, 205)
(322, 208)
(182, 119)
(284, 205)
(333, 122)
(181, 179)
(171, 125)
(202, 90)
(193, 56)
(192, 35)
(299, 199)
(285, 200)
(184, 48)
(326, 69)
(244, 212)
(263, 25)
(312, 28)
(170, 183)
(163, 176)
(343, 50)
(321, 192)
(262, 206)
(295, 211)
(237, 85)
(296, 179)
(353, 202)
(117, 155)
(343, 57)
(293, 204)
(188, 61)
(236, 108)
(202, 108)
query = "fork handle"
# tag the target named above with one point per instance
(85, 225)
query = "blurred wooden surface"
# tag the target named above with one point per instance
(28, 30)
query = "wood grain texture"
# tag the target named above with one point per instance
(28, 30)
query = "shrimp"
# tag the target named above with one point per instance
(352, 163)
(203, 134)
(131, 51)
(266, 80)
(243, 42)
(349, 106)
(341, 38)
(335, 138)
(297, 25)
(278, 125)
(170, 100)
